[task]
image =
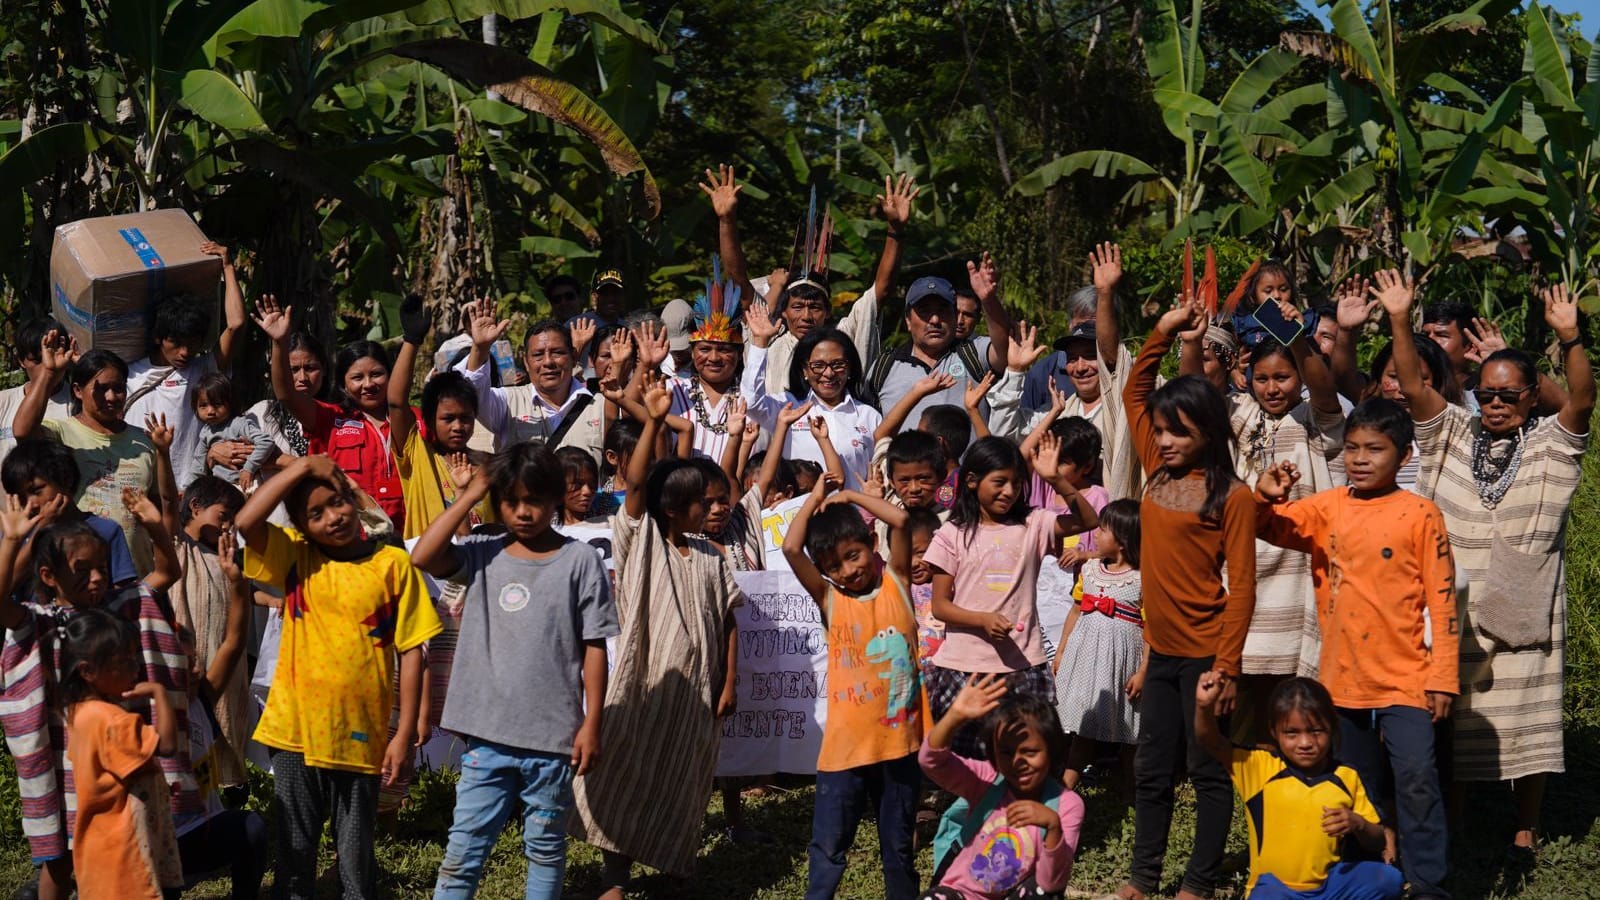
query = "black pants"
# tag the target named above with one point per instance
(235, 840)
(305, 796)
(1166, 722)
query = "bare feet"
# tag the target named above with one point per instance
(1129, 892)
(612, 894)
(1187, 894)
(1528, 838)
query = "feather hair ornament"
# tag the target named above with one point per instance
(1238, 292)
(813, 254)
(716, 311)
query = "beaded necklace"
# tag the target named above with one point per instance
(1263, 443)
(1493, 477)
(697, 398)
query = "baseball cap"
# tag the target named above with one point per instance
(608, 278)
(678, 316)
(929, 286)
(1084, 332)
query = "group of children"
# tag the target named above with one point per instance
(1006, 594)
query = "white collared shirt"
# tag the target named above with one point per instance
(520, 412)
(850, 423)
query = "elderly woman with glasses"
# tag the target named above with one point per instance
(1504, 479)
(825, 363)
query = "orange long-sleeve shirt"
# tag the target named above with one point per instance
(1189, 612)
(1377, 564)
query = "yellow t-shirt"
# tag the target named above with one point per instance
(1284, 808)
(426, 486)
(343, 623)
(107, 463)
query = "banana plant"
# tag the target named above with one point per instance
(1232, 136)
(1563, 125)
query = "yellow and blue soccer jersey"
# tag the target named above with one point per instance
(1284, 807)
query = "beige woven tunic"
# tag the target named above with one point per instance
(658, 734)
(1508, 718)
(1284, 638)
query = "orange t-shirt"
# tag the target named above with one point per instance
(874, 692)
(1189, 612)
(123, 846)
(1377, 564)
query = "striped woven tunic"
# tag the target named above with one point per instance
(34, 720)
(659, 735)
(1284, 638)
(1508, 718)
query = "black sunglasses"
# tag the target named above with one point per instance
(1508, 396)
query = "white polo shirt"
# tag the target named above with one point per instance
(850, 424)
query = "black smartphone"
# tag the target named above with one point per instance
(1271, 318)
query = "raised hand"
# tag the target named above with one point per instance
(873, 486)
(978, 697)
(654, 345)
(738, 409)
(819, 427)
(582, 329)
(1058, 397)
(1484, 340)
(483, 326)
(621, 348)
(1105, 261)
(1353, 309)
(984, 277)
(1184, 317)
(274, 321)
(416, 319)
(896, 199)
(977, 390)
(758, 324)
(657, 399)
(57, 351)
(1047, 455)
(144, 510)
(161, 434)
(1208, 690)
(322, 468)
(17, 520)
(1560, 311)
(212, 248)
(1395, 292)
(1024, 349)
(1276, 482)
(228, 556)
(929, 385)
(791, 414)
(462, 470)
(752, 431)
(723, 189)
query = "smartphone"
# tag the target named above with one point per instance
(1271, 318)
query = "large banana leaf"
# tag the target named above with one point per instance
(214, 97)
(1102, 163)
(527, 84)
(1257, 79)
(1242, 166)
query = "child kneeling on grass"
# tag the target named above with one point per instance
(1014, 832)
(350, 607)
(537, 612)
(875, 714)
(1289, 790)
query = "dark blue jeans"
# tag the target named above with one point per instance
(235, 840)
(1400, 739)
(842, 798)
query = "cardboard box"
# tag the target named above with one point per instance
(106, 273)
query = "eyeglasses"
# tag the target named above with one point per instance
(837, 367)
(1508, 396)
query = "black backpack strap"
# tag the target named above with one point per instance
(877, 375)
(975, 362)
(573, 415)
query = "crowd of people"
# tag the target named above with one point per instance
(1336, 592)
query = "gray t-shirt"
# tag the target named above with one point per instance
(906, 371)
(517, 679)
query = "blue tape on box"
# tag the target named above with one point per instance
(147, 254)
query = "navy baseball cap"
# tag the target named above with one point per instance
(929, 286)
(1084, 332)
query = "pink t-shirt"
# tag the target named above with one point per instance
(997, 570)
(1002, 856)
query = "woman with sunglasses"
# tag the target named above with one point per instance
(1504, 479)
(826, 364)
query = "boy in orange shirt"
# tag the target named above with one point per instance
(1385, 579)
